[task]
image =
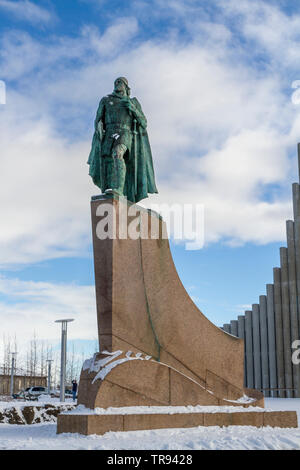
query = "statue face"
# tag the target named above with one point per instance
(120, 87)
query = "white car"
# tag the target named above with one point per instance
(56, 393)
(34, 392)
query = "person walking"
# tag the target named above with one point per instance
(74, 389)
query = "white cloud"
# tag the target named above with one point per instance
(36, 305)
(221, 133)
(114, 38)
(26, 10)
(45, 196)
(269, 27)
(242, 308)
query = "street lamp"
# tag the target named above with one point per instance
(13, 363)
(64, 324)
(49, 374)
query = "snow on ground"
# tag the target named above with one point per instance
(40, 402)
(43, 436)
(137, 410)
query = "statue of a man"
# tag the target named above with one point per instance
(120, 158)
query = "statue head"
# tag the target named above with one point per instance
(121, 86)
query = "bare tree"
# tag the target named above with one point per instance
(15, 349)
(32, 357)
(42, 354)
(6, 353)
(32, 360)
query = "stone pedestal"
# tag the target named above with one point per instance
(156, 346)
(142, 305)
(99, 424)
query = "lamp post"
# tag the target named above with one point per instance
(64, 325)
(13, 363)
(49, 374)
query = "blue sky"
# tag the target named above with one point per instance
(214, 79)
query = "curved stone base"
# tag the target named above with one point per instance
(157, 347)
(119, 380)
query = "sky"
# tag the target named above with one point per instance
(217, 81)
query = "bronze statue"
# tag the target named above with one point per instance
(120, 158)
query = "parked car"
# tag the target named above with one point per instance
(20, 395)
(56, 393)
(34, 392)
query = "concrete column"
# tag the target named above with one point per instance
(296, 200)
(271, 339)
(49, 378)
(279, 332)
(226, 327)
(241, 327)
(293, 296)
(63, 363)
(298, 149)
(296, 209)
(286, 325)
(234, 327)
(241, 334)
(256, 347)
(264, 344)
(12, 374)
(249, 349)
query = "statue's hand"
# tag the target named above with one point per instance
(127, 103)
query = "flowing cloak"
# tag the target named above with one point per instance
(140, 178)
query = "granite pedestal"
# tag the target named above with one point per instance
(156, 347)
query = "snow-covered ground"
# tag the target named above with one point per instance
(41, 401)
(43, 436)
